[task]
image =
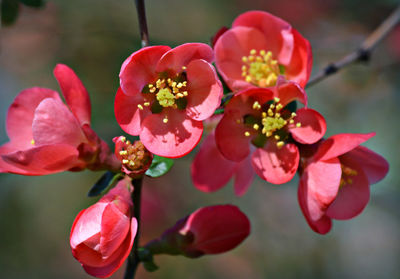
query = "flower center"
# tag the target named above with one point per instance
(271, 123)
(134, 156)
(347, 173)
(260, 69)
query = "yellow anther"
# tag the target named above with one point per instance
(183, 67)
(256, 126)
(165, 120)
(131, 163)
(185, 93)
(256, 105)
(251, 58)
(277, 115)
(128, 142)
(123, 152)
(277, 137)
(272, 106)
(268, 134)
(248, 78)
(244, 59)
(244, 68)
(140, 107)
(238, 121)
(123, 139)
(293, 114)
(276, 100)
(298, 125)
(184, 83)
(253, 52)
(270, 112)
(279, 107)
(152, 90)
(264, 114)
(179, 85)
(32, 141)
(151, 85)
(279, 144)
(179, 95)
(146, 104)
(247, 134)
(291, 121)
(125, 161)
(262, 52)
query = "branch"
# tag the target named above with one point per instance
(133, 259)
(141, 11)
(363, 53)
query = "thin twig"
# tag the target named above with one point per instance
(144, 33)
(133, 259)
(363, 53)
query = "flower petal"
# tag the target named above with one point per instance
(313, 126)
(210, 170)
(205, 90)
(127, 113)
(276, 165)
(173, 139)
(230, 137)
(53, 123)
(340, 144)
(139, 69)
(74, 92)
(353, 197)
(375, 167)
(173, 60)
(21, 112)
(244, 175)
(289, 91)
(42, 160)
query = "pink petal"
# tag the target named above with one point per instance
(229, 50)
(276, 31)
(42, 160)
(74, 92)
(352, 198)
(230, 138)
(10, 167)
(173, 139)
(276, 165)
(53, 123)
(217, 229)
(173, 60)
(205, 90)
(108, 267)
(321, 180)
(21, 112)
(244, 175)
(114, 228)
(321, 225)
(127, 113)
(340, 144)
(210, 170)
(139, 69)
(313, 126)
(374, 166)
(289, 91)
(299, 67)
(87, 224)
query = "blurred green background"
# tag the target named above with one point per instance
(95, 36)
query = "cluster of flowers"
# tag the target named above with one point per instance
(164, 96)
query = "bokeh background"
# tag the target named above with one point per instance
(95, 36)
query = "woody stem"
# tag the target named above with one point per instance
(363, 53)
(133, 259)
(141, 11)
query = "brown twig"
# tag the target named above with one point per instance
(363, 53)
(144, 33)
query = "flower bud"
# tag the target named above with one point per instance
(102, 235)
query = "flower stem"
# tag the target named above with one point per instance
(133, 259)
(363, 53)
(144, 33)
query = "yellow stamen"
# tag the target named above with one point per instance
(33, 142)
(247, 134)
(140, 107)
(279, 144)
(165, 120)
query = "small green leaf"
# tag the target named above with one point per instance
(159, 166)
(107, 179)
(282, 69)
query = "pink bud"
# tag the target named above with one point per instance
(102, 235)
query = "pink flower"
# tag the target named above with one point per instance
(335, 180)
(211, 171)
(47, 136)
(102, 235)
(165, 94)
(208, 230)
(257, 121)
(258, 48)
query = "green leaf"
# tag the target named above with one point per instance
(106, 180)
(9, 11)
(159, 166)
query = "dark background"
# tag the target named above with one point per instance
(95, 36)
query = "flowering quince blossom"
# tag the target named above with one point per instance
(208, 230)
(102, 235)
(257, 121)
(135, 158)
(258, 48)
(211, 171)
(47, 136)
(335, 179)
(165, 94)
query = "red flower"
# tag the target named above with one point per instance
(211, 171)
(257, 121)
(208, 230)
(335, 180)
(258, 48)
(165, 94)
(102, 235)
(47, 136)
